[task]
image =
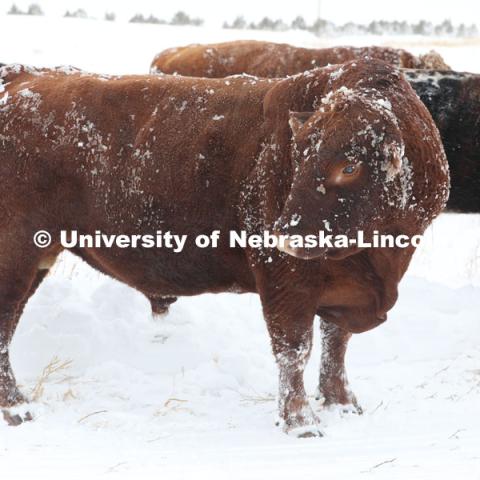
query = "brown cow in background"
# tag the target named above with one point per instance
(270, 60)
(137, 154)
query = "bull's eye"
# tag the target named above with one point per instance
(345, 174)
(349, 169)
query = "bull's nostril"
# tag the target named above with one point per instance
(285, 247)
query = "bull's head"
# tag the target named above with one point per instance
(350, 172)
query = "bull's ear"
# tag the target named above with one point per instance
(297, 119)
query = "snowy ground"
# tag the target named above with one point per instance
(192, 395)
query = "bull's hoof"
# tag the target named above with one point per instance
(352, 408)
(303, 424)
(345, 402)
(14, 420)
(12, 397)
(309, 431)
(344, 408)
(159, 316)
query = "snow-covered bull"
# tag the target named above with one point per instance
(351, 147)
(451, 97)
(270, 60)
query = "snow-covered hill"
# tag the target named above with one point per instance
(192, 395)
(121, 47)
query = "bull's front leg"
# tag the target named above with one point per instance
(333, 388)
(290, 324)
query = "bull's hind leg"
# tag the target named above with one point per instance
(22, 268)
(10, 395)
(11, 312)
(333, 388)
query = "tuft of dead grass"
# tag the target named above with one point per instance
(258, 398)
(80, 420)
(54, 366)
(172, 405)
(69, 395)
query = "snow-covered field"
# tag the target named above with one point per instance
(193, 395)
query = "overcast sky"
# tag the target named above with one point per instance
(216, 11)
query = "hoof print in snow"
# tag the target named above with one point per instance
(310, 435)
(160, 338)
(306, 431)
(15, 420)
(311, 431)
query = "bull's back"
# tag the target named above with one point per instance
(220, 60)
(133, 155)
(128, 150)
(171, 138)
(266, 59)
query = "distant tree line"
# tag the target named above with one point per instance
(323, 27)
(320, 27)
(180, 18)
(79, 13)
(33, 9)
